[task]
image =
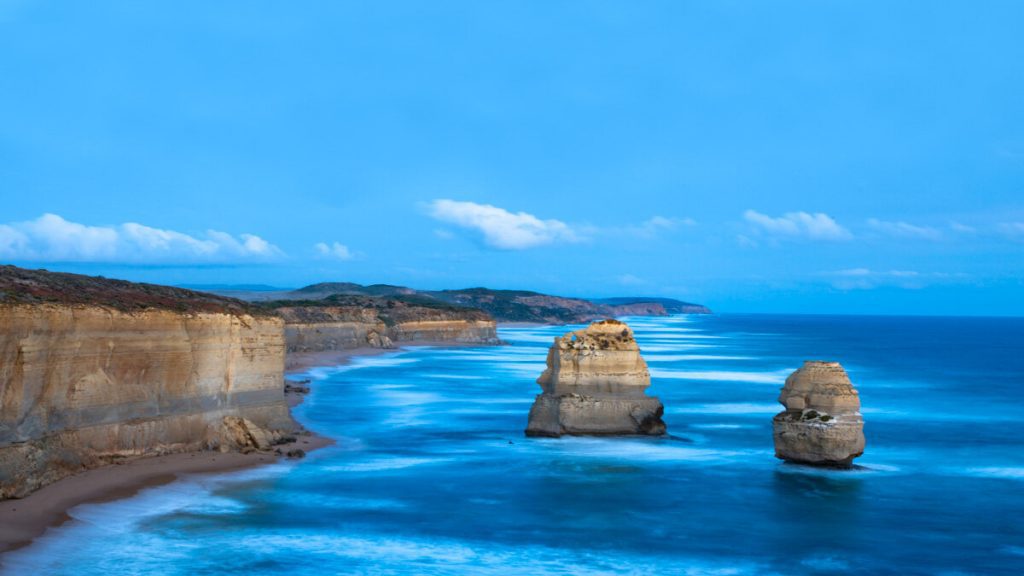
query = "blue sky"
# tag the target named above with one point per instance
(863, 157)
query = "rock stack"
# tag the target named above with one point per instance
(821, 424)
(594, 385)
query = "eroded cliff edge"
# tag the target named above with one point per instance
(93, 371)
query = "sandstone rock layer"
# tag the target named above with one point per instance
(82, 386)
(822, 423)
(594, 385)
(325, 328)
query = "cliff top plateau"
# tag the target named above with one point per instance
(23, 286)
(391, 310)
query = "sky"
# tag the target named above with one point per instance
(793, 156)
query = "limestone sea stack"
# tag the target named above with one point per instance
(821, 424)
(594, 385)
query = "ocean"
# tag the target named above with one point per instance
(431, 473)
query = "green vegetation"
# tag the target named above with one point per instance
(23, 286)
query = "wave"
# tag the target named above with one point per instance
(769, 377)
(685, 357)
(1003, 472)
(636, 450)
(727, 408)
(357, 363)
(383, 464)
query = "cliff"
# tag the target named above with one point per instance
(93, 371)
(822, 423)
(594, 385)
(341, 322)
(667, 305)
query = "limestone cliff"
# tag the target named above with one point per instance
(822, 423)
(594, 385)
(344, 322)
(93, 371)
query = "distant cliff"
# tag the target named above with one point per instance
(502, 305)
(343, 321)
(669, 305)
(95, 370)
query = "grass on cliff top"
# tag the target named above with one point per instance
(23, 286)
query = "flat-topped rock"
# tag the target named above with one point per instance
(822, 423)
(594, 385)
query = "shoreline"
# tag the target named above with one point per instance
(23, 520)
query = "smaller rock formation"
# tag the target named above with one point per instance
(594, 385)
(821, 424)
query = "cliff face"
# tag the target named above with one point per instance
(822, 423)
(82, 386)
(320, 328)
(344, 322)
(594, 384)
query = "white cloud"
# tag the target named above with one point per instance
(867, 279)
(905, 230)
(334, 250)
(631, 280)
(817, 226)
(650, 228)
(963, 228)
(1014, 230)
(501, 228)
(51, 238)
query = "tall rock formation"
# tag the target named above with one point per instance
(594, 385)
(93, 371)
(821, 424)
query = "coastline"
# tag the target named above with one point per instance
(25, 519)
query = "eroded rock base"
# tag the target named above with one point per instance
(554, 416)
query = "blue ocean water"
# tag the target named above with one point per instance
(432, 474)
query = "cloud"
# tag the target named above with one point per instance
(651, 227)
(334, 250)
(962, 228)
(631, 280)
(1012, 230)
(867, 279)
(51, 238)
(905, 230)
(500, 228)
(817, 226)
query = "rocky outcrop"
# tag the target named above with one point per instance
(594, 385)
(822, 423)
(346, 322)
(83, 385)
